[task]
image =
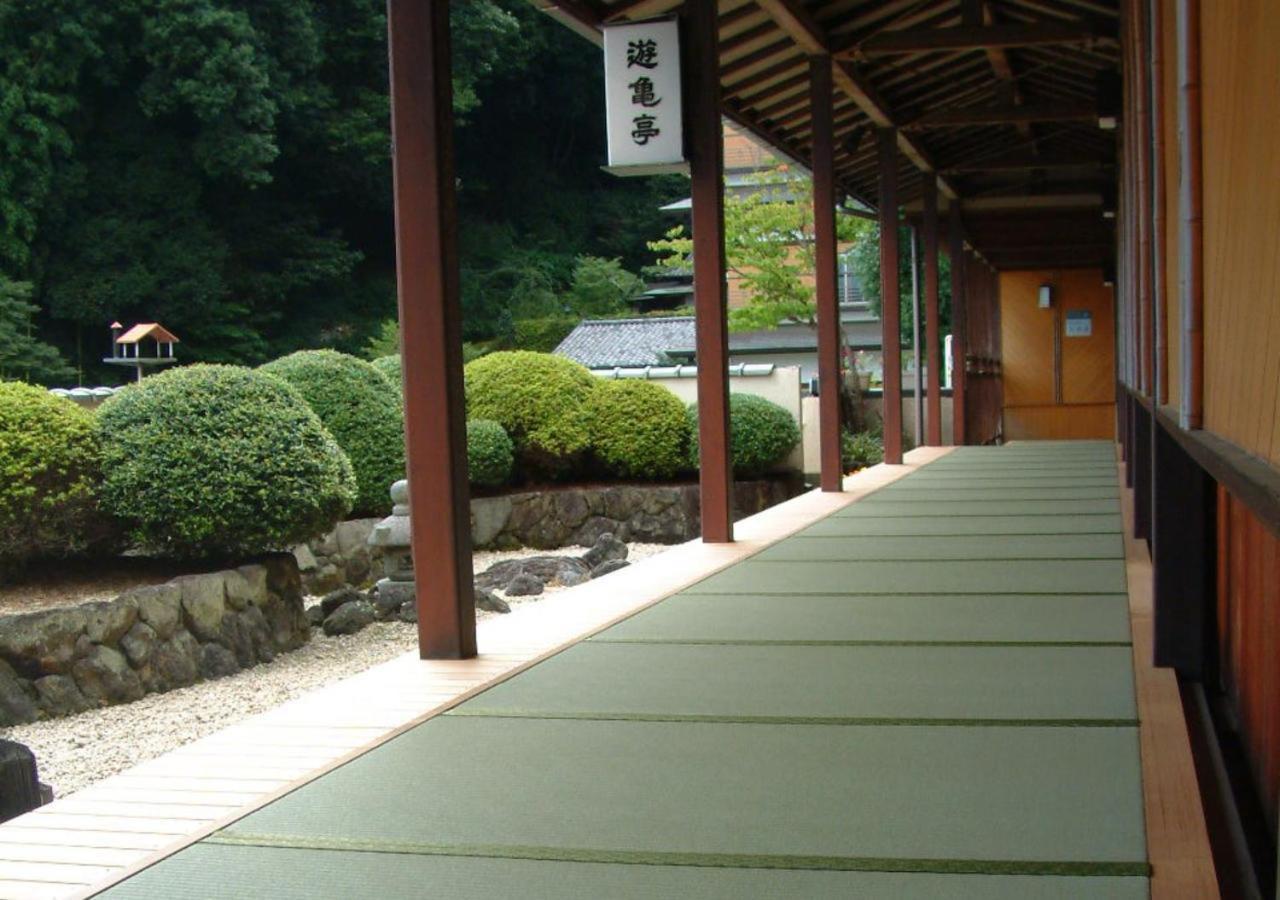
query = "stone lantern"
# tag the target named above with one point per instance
(392, 536)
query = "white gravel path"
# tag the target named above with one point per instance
(74, 752)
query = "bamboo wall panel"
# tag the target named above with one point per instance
(1031, 407)
(1172, 321)
(1249, 639)
(1240, 74)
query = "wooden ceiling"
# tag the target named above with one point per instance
(999, 99)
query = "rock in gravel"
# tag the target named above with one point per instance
(349, 618)
(563, 570)
(609, 565)
(59, 696)
(607, 547)
(104, 676)
(490, 602)
(315, 615)
(334, 599)
(217, 661)
(16, 705)
(524, 586)
(139, 643)
(175, 662)
(386, 604)
(409, 613)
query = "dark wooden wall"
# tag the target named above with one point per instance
(984, 386)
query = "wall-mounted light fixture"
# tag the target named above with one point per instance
(1046, 296)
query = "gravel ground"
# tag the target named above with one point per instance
(77, 751)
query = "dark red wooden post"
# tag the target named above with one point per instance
(824, 233)
(890, 321)
(430, 326)
(706, 162)
(959, 328)
(933, 351)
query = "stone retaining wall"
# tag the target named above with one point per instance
(62, 661)
(656, 514)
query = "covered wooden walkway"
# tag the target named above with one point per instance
(928, 693)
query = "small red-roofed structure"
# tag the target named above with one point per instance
(127, 348)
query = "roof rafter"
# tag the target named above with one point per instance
(1003, 114)
(973, 37)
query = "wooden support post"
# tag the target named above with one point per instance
(932, 341)
(706, 161)
(1190, 271)
(1159, 287)
(959, 328)
(890, 321)
(824, 232)
(430, 326)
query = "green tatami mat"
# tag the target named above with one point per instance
(767, 617)
(927, 479)
(223, 872)
(873, 506)
(907, 491)
(651, 792)
(1097, 523)
(1017, 576)
(896, 547)
(800, 683)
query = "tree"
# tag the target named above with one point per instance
(769, 245)
(22, 356)
(866, 269)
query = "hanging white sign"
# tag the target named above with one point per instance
(642, 97)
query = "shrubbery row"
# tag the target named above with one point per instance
(209, 460)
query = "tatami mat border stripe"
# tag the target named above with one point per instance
(704, 860)
(834, 721)
(764, 642)
(1119, 557)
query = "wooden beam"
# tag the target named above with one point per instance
(427, 279)
(799, 25)
(1004, 114)
(1190, 202)
(1025, 162)
(969, 37)
(890, 320)
(932, 330)
(706, 164)
(821, 96)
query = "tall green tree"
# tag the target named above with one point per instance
(23, 356)
(769, 245)
(866, 267)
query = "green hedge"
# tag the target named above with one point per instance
(210, 460)
(761, 434)
(490, 453)
(638, 429)
(541, 401)
(389, 367)
(861, 449)
(362, 411)
(50, 465)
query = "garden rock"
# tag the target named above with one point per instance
(409, 613)
(386, 604)
(59, 696)
(160, 607)
(489, 602)
(217, 661)
(609, 565)
(204, 602)
(564, 570)
(331, 601)
(139, 643)
(525, 586)
(315, 616)
(107, 623)
(16, 705)
(349, 618)
(41, 643)
(104, 677)
(606, 547)
(175, 663)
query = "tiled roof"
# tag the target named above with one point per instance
(604, 343)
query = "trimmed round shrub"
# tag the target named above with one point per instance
(490, 453)
(389, 366)
(362, 411)
(761, 434)
(219, 460)
(50, 465)
(541, 401)
(638, 429)
(861, 449)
